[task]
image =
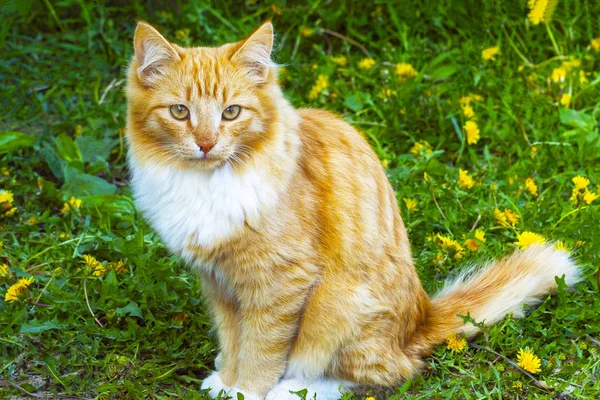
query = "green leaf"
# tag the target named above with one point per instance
(130, 309)
(443, 71)
(92, 149)
(353, 102)
(55, 163)
(80, 184)
(67, 148)
(112, 205)
(10, 141)
(577, 119)
(35, 326)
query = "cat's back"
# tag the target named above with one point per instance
(356, 206)
(331, 145)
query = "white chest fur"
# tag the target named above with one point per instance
(198, 207)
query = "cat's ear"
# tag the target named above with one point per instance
(254, 53)
(153, 53)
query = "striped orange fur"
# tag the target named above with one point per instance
(291, 223)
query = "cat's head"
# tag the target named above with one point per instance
(202, 107)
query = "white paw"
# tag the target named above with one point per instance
(216, 385)
(325, 389)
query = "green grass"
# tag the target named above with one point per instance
(62, 74)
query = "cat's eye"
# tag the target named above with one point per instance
(232, 112)
(179, 111)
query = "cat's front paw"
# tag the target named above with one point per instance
(282, 391)
(216, 385)
(325, 389)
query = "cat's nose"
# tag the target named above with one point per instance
(205, 145)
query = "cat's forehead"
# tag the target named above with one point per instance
(210, 72)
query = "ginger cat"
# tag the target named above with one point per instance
(289, 219)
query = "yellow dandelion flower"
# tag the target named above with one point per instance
(449, 243)
(421, 147)
(531, 187)
(526, 239)
(534, 150)
(11, 212)
(468, 111)
(72, 204)
(100, 270)
(511, 217)
(405, 70)
(480, 235)
(426, 177)
(15, 291)
(90, 261)
(472, 131)
(456, 343)
(571, 64)
(581, 182)
(529, 361)
(575, 194)
(583, 80)
(411, 204)
(490, 53)
(321, 84)
(3, 270)
(541, 11)
(6, 196)
(117, 266)
(559, 74)
(339, 60)
(416, 148)
(565, 100)
(500, 217)
(465, 180)
(472, 244)
(370, 398)
(366, 63)
(446, 242)
(588, 196)
(561, 246)
(595, 43)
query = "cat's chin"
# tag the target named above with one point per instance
(202, 164)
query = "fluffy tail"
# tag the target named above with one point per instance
(496, 290)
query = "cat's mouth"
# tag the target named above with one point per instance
(204, 162)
